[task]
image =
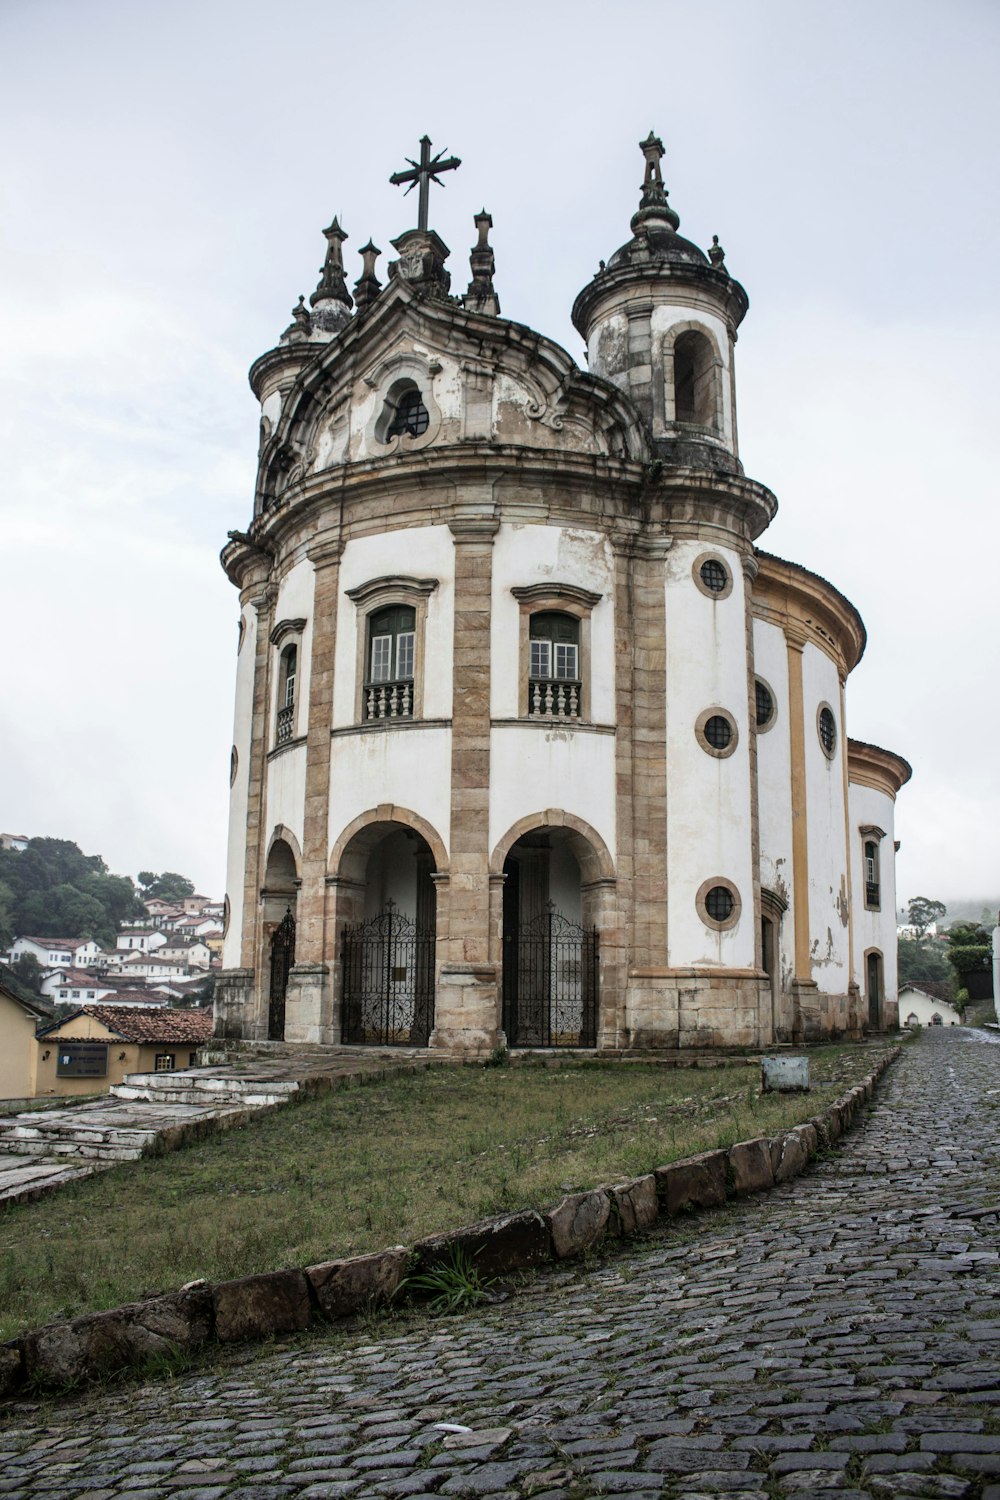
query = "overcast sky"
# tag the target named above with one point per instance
(168, 169)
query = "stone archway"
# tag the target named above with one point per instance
(279, 903)
(386, 872)
(554, 925)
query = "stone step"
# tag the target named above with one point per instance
(205, 1090)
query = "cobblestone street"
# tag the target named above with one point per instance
(840, 1334)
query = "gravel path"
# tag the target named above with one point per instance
(840, 1334)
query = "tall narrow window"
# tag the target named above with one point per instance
(390, 666)
(872, 891)
(554, 666)
(286, 694)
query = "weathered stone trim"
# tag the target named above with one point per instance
(258, 1307)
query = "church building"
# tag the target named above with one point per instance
(534, 744)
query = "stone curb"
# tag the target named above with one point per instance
(258, 1307)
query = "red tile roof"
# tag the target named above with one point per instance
(153, 1024)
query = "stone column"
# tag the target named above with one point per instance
(309, 1008)
(854, 1017)
(466, 1017)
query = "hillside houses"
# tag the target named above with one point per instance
(156, 961)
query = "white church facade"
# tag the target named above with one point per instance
(534, 744)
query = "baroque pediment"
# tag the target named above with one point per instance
(414, 375)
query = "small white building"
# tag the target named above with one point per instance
(55, 951)
(140, 939)
(924, 1005)
(151, 966)
(193, 952)
(17, 841)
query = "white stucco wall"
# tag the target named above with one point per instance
(530, 554)
(535, 767)
(826, 824)
(286, 792)
(874, 929)
(410, 768)
(418, 552)
(236, 851)
(774, 774)
(708, 799)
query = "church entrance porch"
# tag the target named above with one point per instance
(550, 958)
(387, 949)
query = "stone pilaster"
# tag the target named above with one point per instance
(261, 596)
(804, 988)
(766, 1020)
(641, 762)
(310, 1004)
(466, 1015)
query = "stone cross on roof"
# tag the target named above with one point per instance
(424, 172)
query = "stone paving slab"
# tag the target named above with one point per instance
(835, 1336)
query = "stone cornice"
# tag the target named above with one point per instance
(881, 770)
(286, 627)
(539, 593)
(809, 610)
(391, 583)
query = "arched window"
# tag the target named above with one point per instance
(287, 673)
(405, 413)
(388, 691)
(554, 666)
(694, 379)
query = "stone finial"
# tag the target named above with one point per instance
(481, 296)
(368, 286)
(300, 328)
(654, 210)
(332, 286)
(716, 254)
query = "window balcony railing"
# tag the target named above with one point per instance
(286, 717)
(553, 698)
(389, 700)
(871, 893)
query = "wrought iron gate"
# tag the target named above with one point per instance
(550, 986)
(282, 958)
(388, 975)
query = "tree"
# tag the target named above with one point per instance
(921, 913)
(28, 971)
(970, 948)
(921, 960)
(52, 889)
(166, 887)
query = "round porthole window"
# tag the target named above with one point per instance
(234, 761)
(827, 726)
(717, 732)
(718, 903)
(712, 576)
(764, 705)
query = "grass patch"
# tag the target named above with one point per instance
(363, 1168)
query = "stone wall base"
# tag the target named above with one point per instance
(683, 1008)
(307, 1004)
(233, 1005)
(466, 1010)
(820, 1015)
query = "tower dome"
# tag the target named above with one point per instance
(659, 320)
